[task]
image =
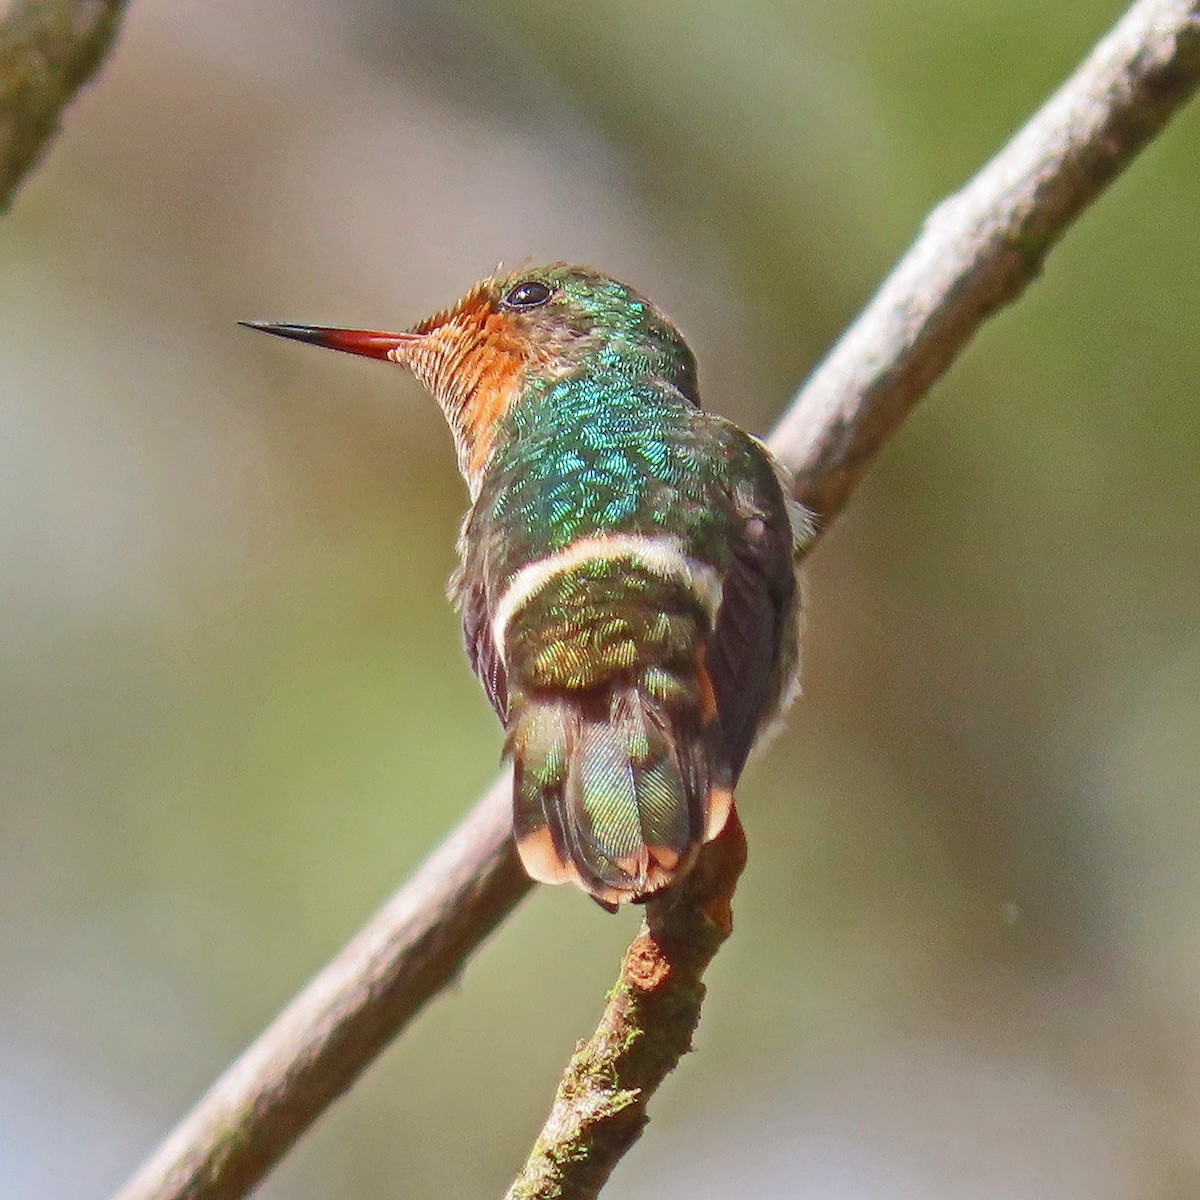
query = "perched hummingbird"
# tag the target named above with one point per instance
(627, 581)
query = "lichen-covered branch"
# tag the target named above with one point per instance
(978, 251)
(48, 50)
(652, 1012)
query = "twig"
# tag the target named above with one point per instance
(978, 251)
(48, 50)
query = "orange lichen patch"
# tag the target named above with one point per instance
(473, 358)
(645, 966)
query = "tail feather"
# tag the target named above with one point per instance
(618, 793)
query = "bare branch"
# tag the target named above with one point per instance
(978, 251)
(48, 50)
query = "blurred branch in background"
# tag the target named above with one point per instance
(981, 247)
(48, 50)
(978, 251)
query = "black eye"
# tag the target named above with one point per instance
(532, 293)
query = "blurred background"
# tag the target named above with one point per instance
(234, 709)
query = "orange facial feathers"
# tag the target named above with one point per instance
(473, 358)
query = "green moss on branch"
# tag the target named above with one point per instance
(599, 1110)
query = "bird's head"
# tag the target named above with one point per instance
(512, 331)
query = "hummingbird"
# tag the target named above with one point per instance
(627, 577)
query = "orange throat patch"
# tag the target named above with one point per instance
(473, 358)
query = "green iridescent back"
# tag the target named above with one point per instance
(607, 453)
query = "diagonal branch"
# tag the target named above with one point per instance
(316, 1048)
(48, 50)
(982, 247)
(977, 252)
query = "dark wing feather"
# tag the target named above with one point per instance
(748, 657)
(481, 648)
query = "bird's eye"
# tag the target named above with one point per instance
(532, 293)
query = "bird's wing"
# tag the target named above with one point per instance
(481, 647)
(751, 656)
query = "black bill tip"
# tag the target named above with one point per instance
(372, 343)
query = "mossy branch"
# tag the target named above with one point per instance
(652, 1012)
(978, 251)
(48, 50)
